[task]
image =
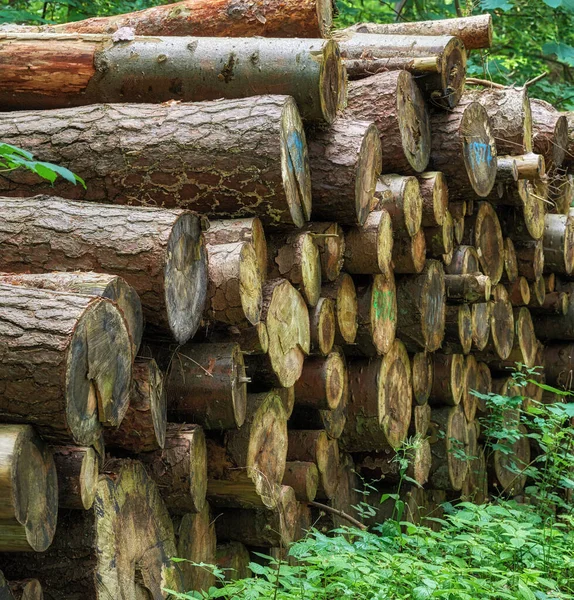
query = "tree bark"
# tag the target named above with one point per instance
(346, 160)
(554, 302)
(303, 477)
(448, 374)
(409, 254)
(322, 327)
(552, 326)
(519, 292)
(434, 193)
(321, 383)
(468, 288)
(78, 472)
(458, 329)
(160, 253)
(234, 559)
(184, 155)
(440, 239)
(343, 292)
(400, 196)
(422, 374)
(28, 491)
(331, 243)
(481, 315)
(558, 244)
(394, 103)
(550, 133)
(369, 249)
(74, 352)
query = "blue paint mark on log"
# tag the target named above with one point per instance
(296, 150)
(480, 152)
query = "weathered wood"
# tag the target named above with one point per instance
(558, 364)
(530, 166)
(394, 103)
(5, 591)
(400, 196)
(422, 375)
(510, 273)
(530, 259)
(321, 383)
(481, 315)
(550, 133)
(501, 324)
(331, 243)
(420, 422)
(343, 292)
(523, 219)
(467, 288)
(27, 589)
(322, 324)
(475, 485)
(28, 491)
(558, 243)
(483, 386)
(160, 253)
(78, 473)
(458, 329)
(72, 351)
(434, 193)
(253, 339)
(369, 249)
(345, 161)
(549, 326)
(303, 477)
(561, 191)
(409, 254)
(469, 384)
(198, 148)
(507, 469)
(537, 293)
(465, 260)
(448, 373)
(554, 302)
(233, 559)
(519, 292)
(440, 239)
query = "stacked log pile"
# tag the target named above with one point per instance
(273, 279)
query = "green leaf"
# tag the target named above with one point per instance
(45, 172)
(563, 52)
(496, 5)
(525, 592)
(65, 173)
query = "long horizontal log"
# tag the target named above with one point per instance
(468, 288)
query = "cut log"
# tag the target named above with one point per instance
(422, 374)
(506, 174)
(448, 469)
(345, 159)
(550, 282)
(252, 340)
(530, 166)
(400, 197)
(561, 191)
(287, 396)
(482, 230)
(322, 326)
(369, 249)
(464, 260)
(143, 427)
(483, 386)
(409, 254)
(519, 292)
(321, 383)
(412, 496)
(27, 589)
(474, 32)
(458, 329)
(72, 351)
(160, 253)
(549, 326)
(90, 284)
(343, 292)
(303, 477)
(434, 193)
(28, 491)
(331, 243)
(440, 239)
(380, 402)
(469, 385)
(501, 324)
(448, 373)
(463, 147)
(510, 273)
(481, 315)
(126, 540)
(558, 364)
(78, 474)
(233, 559)
(199, 149)
(468, 288)
(554, 302)
(459, 225)
(558, 244)
(158, 69)
(245, 470)
(459, 208)
(524, 218)
(437, 62)
(421, 308)
(530, 259)
(420, 423)
(394, 103)
(206, 385)
(295, 257)
(287, 319)
(180, 468)
(475, 485)
(550, 133)
(316, 447)
(537, 293)
(507, 469)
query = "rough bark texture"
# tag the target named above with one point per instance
(322, 326)
(400, 197)
(409, 254)
(434, 193)
(519, 292)
(468, 288)
(448, 373)
(160, 253)
(394, 103)
(343, 292)
(369, 249)
(226, 158)
(78, 473)
(550, 133)
(321, 383)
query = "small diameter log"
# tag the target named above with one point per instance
(464, 149)
(252, 340)
(233, 559)
(530, 259)
(550, 282)
(422, 375)
(550, 133)
(537, 293)
(448, 374)
(287, 396)
(437, 62)
(448, 469)
(434, 193)
(287, 319)
(482, 230)
(27, 589)
(507, 469)
(180, 468)
(234, 293)
(331, 243)
(343, 292)
(409, 254)
(440, 240)
(321, 383)
(420, 422)
(72, 351)
(519, 292)
(160, 253)
(510, 272)
(470, 381)
(458, 328)
(245, 470)
(523, 219)
(400, 197)
(322, 326)
(552, 326)
(501, 324)
(394, 103)
(530, 166)
(468, 288)
(112, 287)
(346, 160)
(525, 344)
(28, 491)
(303, 477)
(561, 191)
(206, 385)
(483, 386)
(78, 474)
(380, 402)
(200, 147)
(558, 363)
(475, 485)
(295, 257)
(315, 446)
(421, 307)
(558, 243)
(369, 249)
(481, 316)
(506, 174)
(554, 302)
(143, 427)
(458, 232)
(464, 260)
(474, 32)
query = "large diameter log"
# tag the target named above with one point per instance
(394, 103)
(343, 292)
(369, 249)
(321, 383)
(552, 326)
(421, 307)
(434, 193)
(303, 477)
(464, 149)
(28, 491)
(437, 62)
(331, 242)
(345, 161)
(468, 288)
(400, 197)
(72, 351)
(422, 375)
(322, 324)
(558, 243)
(550, 133)
(108, 286)
(78, 474)
(160, 253)
(287, 320)
(380, 402)
(143, 426)
(198, 150)
(409, 254)
(475, 32)
(174, 68)
(126, 540)
(448, 374)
